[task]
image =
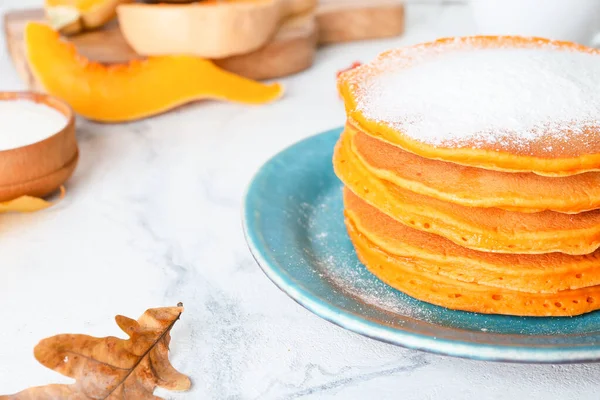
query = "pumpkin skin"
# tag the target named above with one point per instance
(70, 17)
(136, 90)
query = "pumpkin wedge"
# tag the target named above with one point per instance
(138, 89)
(211, 29)
(73, 16)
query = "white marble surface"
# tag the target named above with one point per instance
(152, 217)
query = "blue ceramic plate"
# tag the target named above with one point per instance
(294, 226)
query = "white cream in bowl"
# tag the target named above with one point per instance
(24, 122)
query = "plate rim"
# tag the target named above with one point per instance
(365, 327)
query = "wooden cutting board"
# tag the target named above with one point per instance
(350, 20)
(291, 50)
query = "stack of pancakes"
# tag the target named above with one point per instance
(470, 176)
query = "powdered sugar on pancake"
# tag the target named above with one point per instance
(456, 95)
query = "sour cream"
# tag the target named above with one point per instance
(24, 122)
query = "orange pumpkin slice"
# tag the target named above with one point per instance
(74, 16)
(210, 29)
(26, 204)
(483, 229)
(135, 90)
(501, 103)
(475, 187)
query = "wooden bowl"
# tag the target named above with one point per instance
(40, 168)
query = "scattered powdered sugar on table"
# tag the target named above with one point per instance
(465, 96)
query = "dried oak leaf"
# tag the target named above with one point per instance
(112, 368)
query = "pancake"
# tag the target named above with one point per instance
(484, 229)
(539, 273)
(476, 187)
(500, 103)
(402, 274)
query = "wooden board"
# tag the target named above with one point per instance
(350, 20)
(291, 50)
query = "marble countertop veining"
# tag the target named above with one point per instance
(152, 217)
